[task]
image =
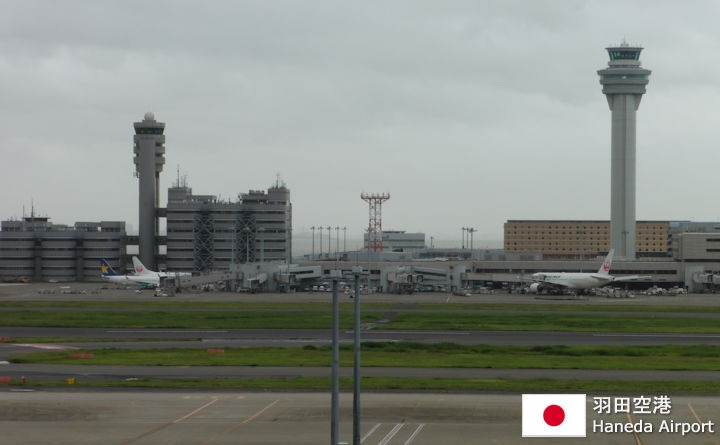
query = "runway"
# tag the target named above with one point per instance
(94, 373)
(129, 417)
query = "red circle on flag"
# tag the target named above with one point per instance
(554, 415)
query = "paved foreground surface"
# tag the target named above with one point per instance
(178, 417)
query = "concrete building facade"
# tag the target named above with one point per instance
(204, 233)
(623, 84)
(38, 250)
(571, 239)
(149, 150)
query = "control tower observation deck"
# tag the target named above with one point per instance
(623, 84)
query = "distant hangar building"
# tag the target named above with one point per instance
(399, 241)
(39, 250)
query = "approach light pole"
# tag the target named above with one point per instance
(471, 231)
(329, 229)
(312, 256)
(337, 242)
(320, 237)
(344, 239)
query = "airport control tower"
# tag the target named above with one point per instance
(149, 159)
(623, 84)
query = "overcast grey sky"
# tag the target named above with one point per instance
(469, 112)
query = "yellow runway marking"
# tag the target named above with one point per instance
(240, 397)
(239, 424)
(637, 438)
(700, 421)
(186, 416)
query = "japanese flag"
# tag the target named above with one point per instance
(553, 415)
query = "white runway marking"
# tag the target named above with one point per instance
(372, 430)
(412, 437)
(391, 434)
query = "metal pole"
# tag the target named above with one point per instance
(471, 231)
(312, 257)
(344, 239)
(337, 241)
(320, 236)
(329, 229)
(356, 365)
(335, 407)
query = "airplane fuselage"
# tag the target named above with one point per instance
(148, 279)
(573, 280)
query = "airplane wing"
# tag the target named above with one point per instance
(632, 278)
(599, 277)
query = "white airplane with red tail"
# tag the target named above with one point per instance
(578, 281)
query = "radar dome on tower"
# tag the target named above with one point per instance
(149, 116)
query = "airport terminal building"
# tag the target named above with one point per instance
(205, 233)
(38, 250)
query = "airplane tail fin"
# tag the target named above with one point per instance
(107, 271)
(605, 268)
(140, 268)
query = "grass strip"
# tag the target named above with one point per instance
(615, 306)
(407, 354)
(432, 321)
(323, 320)
(386, 383)
(186, 319)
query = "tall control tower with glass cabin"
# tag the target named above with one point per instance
(623, 84)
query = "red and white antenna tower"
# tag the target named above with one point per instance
(375, 226)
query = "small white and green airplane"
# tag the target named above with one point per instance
(556, 282)
(139, 280)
